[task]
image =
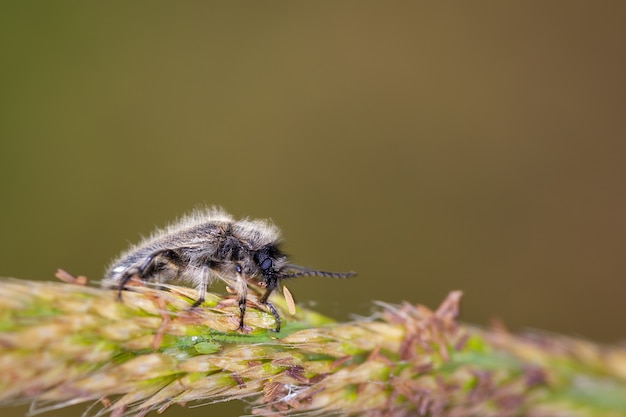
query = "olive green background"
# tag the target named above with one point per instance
(428, 146)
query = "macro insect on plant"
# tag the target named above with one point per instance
(207, 245)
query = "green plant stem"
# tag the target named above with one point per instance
(63, 344)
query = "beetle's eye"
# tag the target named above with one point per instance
(266, 264)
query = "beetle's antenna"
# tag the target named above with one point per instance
(305, 272)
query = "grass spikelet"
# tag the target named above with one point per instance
(63, 343)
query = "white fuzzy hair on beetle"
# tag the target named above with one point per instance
(207, 245)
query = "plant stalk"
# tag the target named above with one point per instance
(62, 344)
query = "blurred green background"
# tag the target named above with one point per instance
(428, 146)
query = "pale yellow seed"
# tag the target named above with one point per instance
(291, 305)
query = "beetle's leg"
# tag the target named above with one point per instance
(242, 290)
(146, 268)
(206, 276)
(242, 309)
(271, 284)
